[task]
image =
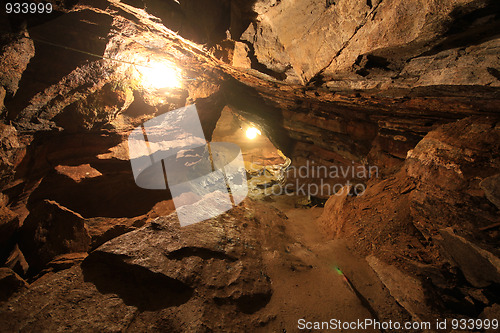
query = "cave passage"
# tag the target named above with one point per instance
(367, 189)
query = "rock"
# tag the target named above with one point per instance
(480, 267)
(10, 153)
(65, 261)
(103, 229)
(10, 282)
(180, 259)
(490, 313)
(15, 54)
(9, 223)
(376, 44)
(407, 290)
(17, 262)
(163, 277)
(240, 56)
(491, 188)
(331, 219)
(285, 37)
(51, 230)
(2, 98)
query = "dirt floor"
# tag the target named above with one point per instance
(329, 281)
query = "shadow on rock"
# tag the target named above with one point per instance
(135, 285)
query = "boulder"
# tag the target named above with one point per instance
(10, 282)
(17, 262)
(180, 260)
(331, 220)
(240, 56)
(51, 230)
(15, 54)
(406, 289)
(481, 268)
(491, 188)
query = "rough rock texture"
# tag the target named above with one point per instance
(377, 44)
(401, 218)
(11, 153)
(17, 262)
(437, 188)
(217, 275)
(481, 268)
(491, 188)
(407, 290)
(16, 52)
(51, 230)
(10, 282)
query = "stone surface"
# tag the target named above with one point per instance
(331, 219)
(407, 290)
(399, 217)
(211, 275)
(10, 282)
(240, 56)
(11, 152)
(51, 230)
(490, 313)
(377, 44)
(480, 267)
(65, 261)
(15, 54)
(491, 188)
(342, 82)
(17, 262)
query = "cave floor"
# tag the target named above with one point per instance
(329, 282)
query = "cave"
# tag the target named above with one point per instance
(250, 166)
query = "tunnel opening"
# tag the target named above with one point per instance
(265, 164)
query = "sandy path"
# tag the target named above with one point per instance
(308, 285)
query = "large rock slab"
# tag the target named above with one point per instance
(480, 267)
(161, 277)
(406, 289)
(207, 254)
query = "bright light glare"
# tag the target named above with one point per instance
(159, 75)
(252, 133)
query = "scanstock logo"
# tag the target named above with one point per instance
(170, 152)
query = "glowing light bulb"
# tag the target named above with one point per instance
(159, 75)
(252, 133)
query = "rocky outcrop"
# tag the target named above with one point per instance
(16, 52)
(481, 268)
(377, 44)
(11, 153)
(406, 219)
(10, 283)
(52, 230)
(163, 277)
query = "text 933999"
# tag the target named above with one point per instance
(28, 8)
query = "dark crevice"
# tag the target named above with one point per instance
(200, 252)
(494, 72)
(135, 285)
